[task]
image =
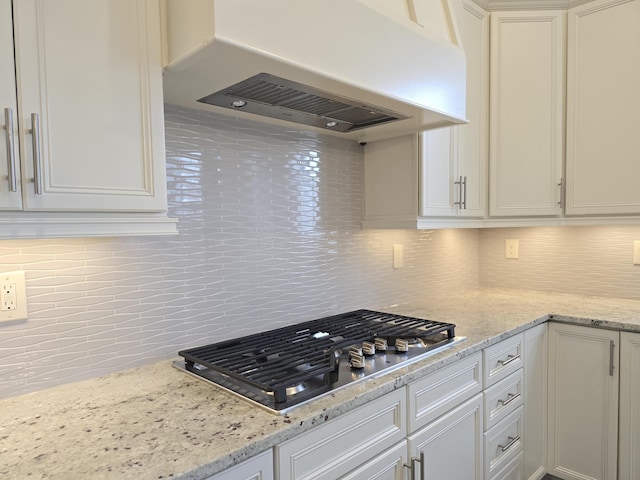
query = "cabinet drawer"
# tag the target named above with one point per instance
(388, 466)
(502, 359)
(340, 445)
(503, 442)
(514, 470)
(503, 398)
(443, 390)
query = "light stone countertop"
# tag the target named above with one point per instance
(155, 422)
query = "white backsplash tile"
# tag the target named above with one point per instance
(579, 260)
(269, 222)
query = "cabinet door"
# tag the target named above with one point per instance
(535, 402)
(473, 138)
(91, 73)
(629, 466)
(526, 111)
(10, 196)
(603, 145)
(454, 160)
(452, 445)
(583, 402)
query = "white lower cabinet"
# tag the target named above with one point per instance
(535, 402)
(629, 455)
(259, 467)
(583, 402)
(452, 445)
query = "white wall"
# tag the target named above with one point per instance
(269, 235)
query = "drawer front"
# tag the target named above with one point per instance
(503, 443)
(503, 398)
(340, 445)
(444, 389)
(502, 359)
(514, 470)
(388, 466)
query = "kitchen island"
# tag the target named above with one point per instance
(155, 422)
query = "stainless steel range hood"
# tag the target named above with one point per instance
(361, 69)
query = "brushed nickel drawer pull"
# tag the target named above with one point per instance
(510, 398)
(512, 442)
(510, 359)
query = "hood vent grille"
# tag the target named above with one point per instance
(275, 97)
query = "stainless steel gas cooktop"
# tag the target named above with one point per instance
(284, 368)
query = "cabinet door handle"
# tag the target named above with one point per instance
(35, 143)
(464, 192)
(510, 398)
(510, 359)
(459, 202)
(512, 441)
(612, 346)
(11, 155)
(412, 467)
(561, 185)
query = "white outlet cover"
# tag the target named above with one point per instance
(20, 313)
(636, 252)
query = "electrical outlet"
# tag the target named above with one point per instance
(13, 296)
(636, 252)
(511, 248)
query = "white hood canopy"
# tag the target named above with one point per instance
(361, 69)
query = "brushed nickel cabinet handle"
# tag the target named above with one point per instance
(11, 155)
(512, 441)
(464, 193)
(510, 359)
(35, 143)
(612, 346)
(510, 398)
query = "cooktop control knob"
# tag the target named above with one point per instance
(381, 344)
(402, 345)
(356, 360)
(368, 348)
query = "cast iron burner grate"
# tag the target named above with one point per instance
(286, 366)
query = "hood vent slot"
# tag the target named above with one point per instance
(275, 97)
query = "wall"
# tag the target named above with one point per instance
(580, 260)
(269, 235)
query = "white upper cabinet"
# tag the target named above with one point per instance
(88, 124)
(454, 163)
(526, 111)
(603, 100)
(437, 178)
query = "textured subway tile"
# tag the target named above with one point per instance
(269, 222)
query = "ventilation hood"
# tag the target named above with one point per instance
(360, 69)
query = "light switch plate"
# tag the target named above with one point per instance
(13, 296)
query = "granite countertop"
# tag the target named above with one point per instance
(155, 422)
